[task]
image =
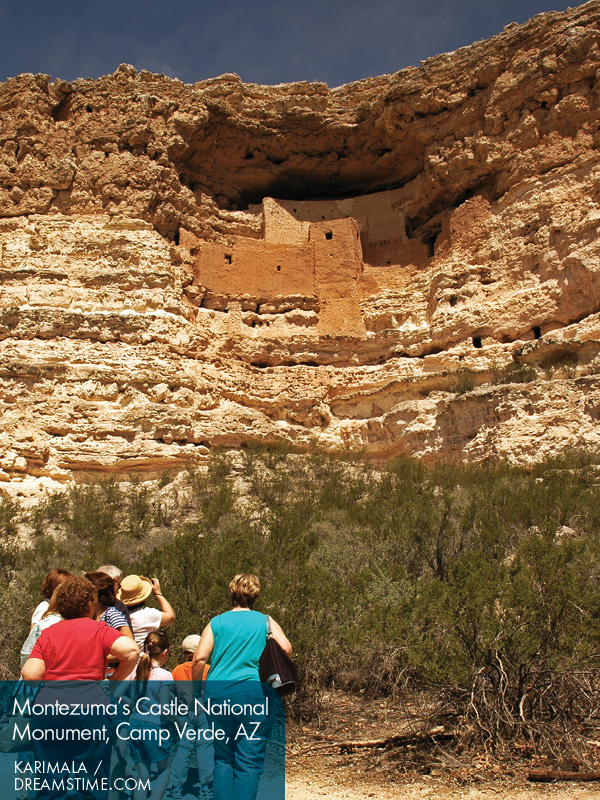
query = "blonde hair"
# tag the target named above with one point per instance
(244, 589)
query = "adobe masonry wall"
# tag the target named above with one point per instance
(338, 267)
(289, 262)
(253, 268)
(324, 269)
(380, 217)
(282, 263)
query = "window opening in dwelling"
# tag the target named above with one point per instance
(537, 332)
(278, 267)
(477, 341)
(228, 258)
(429, 241)
(328, 234)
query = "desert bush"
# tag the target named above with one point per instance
(514, 373)
(463, 381)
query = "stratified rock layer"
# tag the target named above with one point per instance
(407, 264)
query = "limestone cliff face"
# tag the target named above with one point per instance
(407, 264)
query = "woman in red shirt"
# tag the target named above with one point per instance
(78, 647)
(76, 651)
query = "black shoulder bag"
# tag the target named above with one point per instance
(275, 668)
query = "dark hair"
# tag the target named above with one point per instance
(53, 579)
(73, 597)
(105, 587)
(154, 644)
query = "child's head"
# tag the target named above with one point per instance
(155, 644)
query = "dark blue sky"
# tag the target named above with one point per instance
(264, 41)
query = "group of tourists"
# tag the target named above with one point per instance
(99, 627)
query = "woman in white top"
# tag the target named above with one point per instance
(134, 591)
(51, 617)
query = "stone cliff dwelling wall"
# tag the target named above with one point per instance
(319, 274)
(380, 216)
(255, 272)
(338, 266)
(312, 257)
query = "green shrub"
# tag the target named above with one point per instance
(463, 381)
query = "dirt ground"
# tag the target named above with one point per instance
(334, 784)
(317, 767)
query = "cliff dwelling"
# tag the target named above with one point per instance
(318, 257)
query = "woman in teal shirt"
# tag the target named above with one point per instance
(233, 643)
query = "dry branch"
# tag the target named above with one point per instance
(549, 775)
(438, 734)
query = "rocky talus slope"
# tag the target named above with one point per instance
(406, 264)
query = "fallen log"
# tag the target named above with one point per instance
(438, 734)
(550, 775)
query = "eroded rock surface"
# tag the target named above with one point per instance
(407, 264)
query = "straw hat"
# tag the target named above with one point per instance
(134, 590)
(190, 643)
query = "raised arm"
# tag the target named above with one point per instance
(168, 615)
